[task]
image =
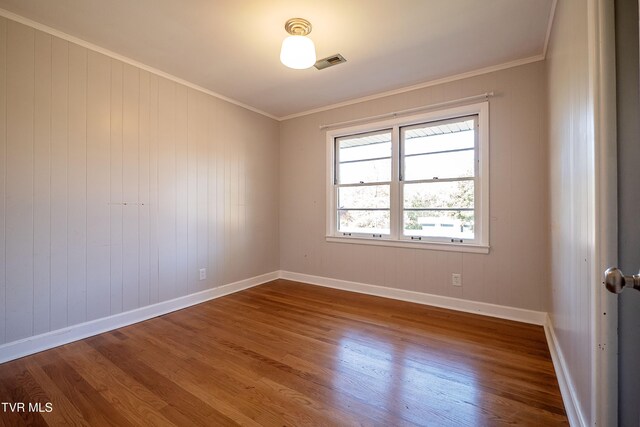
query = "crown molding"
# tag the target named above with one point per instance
(552, 13)
(429, 83)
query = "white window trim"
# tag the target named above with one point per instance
(481, 244)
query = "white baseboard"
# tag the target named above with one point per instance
(38, 343)
(567, 389)
(483, 308)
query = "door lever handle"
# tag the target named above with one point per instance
(616, 281)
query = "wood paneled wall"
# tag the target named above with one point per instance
(117, 186)
(571, 194)
(514, 273)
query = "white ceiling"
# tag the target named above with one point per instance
(232, 47)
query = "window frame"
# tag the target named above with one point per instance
(480, 244)
(337, 185)
(403, 182)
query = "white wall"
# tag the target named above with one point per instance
(570, 162)
(514, 273)
(81, 134)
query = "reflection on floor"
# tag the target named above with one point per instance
(291, 354)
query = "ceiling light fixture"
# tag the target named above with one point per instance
(298, 50)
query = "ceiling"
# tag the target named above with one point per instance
(232, 47)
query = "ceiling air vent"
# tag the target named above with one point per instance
(330, 61)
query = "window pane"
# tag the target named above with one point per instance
(374, 150)
(366, 197)
(369, 222)
(432, 138)
(439, 195)
(365, 172)
(457, 164)
(364, 158)
(450, 224)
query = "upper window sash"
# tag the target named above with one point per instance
(353, 153)
(465, 152)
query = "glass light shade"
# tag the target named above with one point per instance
(298, 52)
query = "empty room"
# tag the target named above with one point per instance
(282, 213)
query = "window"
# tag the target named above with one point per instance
(363, 183)
(419, 181)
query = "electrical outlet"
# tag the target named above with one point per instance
(456, 279)
(203, 273)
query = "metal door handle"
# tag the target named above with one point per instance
(616, 281)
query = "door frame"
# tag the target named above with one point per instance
(604, 208)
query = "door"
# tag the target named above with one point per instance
(628, 129)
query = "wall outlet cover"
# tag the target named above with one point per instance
(456, 279)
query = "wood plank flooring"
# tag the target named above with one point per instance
(289, 354)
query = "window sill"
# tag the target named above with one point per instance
(434, 246)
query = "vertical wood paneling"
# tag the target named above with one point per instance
(202, 230)
(82, 134)
(59, 180)
(192, 195)
(182, 190)
(42, 185)
(221, 199)
(131, 189)
(98, 182)
(501, 150)
(242, 240)
(77, 213)
(528, 165)
(143, 182)
(212, 198)
(229, 198)
(428, 265)
(570, 172)
(116, 184)
(234, 231)
(3, 171)
(154, 231)
(167, 186)
(19, 192)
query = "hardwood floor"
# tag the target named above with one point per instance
(290, 354)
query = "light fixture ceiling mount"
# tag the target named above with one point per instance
(297, 26)
(298, 50)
